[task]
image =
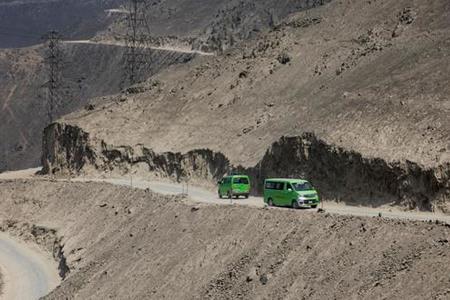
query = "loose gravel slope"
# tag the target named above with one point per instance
(123, 243)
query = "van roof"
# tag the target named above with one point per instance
(286, 180)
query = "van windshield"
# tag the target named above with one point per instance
(240, 180)
(305, 186)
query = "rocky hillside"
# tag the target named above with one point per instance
(368, 81)
(211, 25)
(118, 243)
(89, 71)
(96, 70)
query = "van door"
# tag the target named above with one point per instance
(280, 197)
(290, 194)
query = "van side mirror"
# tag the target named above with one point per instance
(289, 190)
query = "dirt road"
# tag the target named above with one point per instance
(204, 196)
(164, 48)
(27, 273)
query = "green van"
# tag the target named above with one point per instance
(234, 186)
(293, 193)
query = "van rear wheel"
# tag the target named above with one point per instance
(270, 202)
(220, 195)
(230, 196)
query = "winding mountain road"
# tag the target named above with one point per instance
(28, 274)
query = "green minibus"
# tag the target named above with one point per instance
(234, 186)
(293, 193)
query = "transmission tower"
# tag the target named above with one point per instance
(53, 62)
(137, 55)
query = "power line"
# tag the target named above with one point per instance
(54, 63)
(137, 53)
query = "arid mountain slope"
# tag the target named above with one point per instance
(121, 243)
(89, 71)
(369, 80)
(211, 25)
(97, 70)
(370, 77)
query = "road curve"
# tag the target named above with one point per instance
(28, 274)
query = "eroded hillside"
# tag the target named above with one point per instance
(122, 243)
(369, 79)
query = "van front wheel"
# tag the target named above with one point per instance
(295, 204)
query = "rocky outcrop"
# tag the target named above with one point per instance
(66, 149)
(338, 173)
(348, 176)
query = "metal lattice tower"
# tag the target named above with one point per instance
(53, 62)
(137, 56)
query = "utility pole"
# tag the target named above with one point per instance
(53, 63)
(137, 38)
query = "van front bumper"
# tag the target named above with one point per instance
(307, 203)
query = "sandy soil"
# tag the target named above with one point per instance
(124, 243)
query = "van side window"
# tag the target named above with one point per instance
(279, 186)
(270, 185)
(289, 186)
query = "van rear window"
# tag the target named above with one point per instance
(240, 180)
